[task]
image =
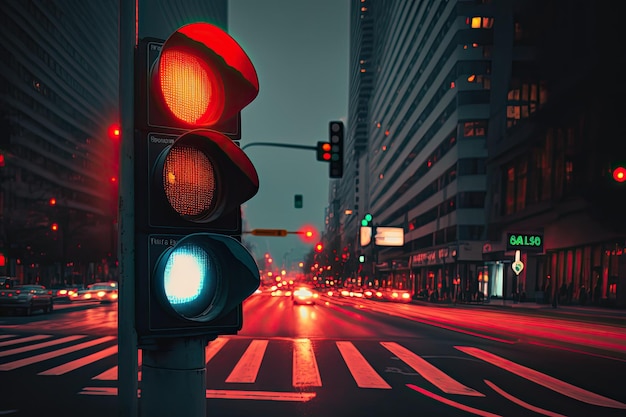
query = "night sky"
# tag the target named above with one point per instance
(300, 51)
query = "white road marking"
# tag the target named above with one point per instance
(39, 345)
(431, 373)
(362, 372)
(248, 366)
(547, 381)
(85, 360)
(53, 354)
(305, 370)
(23, 340)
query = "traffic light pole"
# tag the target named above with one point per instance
(174, 378)
(279, 145)
(127, 338)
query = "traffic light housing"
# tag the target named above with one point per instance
(192, 273)
(323, 151)
(335, 130)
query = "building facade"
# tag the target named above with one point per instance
(471, 121)
(59, 160)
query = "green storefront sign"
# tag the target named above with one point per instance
(531, 242)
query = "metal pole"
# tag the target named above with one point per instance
(127, 338)
(174, 378)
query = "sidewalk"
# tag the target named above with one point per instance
(572, 310)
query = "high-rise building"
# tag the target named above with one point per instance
(59, 159)
(473, 120)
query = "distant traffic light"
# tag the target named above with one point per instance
(297, 201)
(367, 220)
(323, 151)
(54, 227)
(319, 247)
(114, 131)
(336, 149)
(192, 272)
(619, 173)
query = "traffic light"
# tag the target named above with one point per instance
(323, 151)
(319, 248)
(297, 201)
(619, 173)
(336, 149)
(367, 220)
(114, 131)
(192, 273)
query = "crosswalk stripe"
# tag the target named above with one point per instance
(362, 372)
(305, 370)
(23, 339)
(53, 354)
(38, 345)
(547, 381)
(248, 366)
(85, 360)
(111, 373)
(431, 373)
(6, 336)
(213, 347)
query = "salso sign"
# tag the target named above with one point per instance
(532, 242)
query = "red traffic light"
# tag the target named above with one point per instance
(199, 68)
(308, 233)
(619, 174)
(114, 131)
(319, 247)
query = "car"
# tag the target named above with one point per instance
(27, 297)
(63, 292)
(303, 295)
(103, 292)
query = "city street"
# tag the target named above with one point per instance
(339, 357)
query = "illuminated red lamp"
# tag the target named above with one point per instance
(308, 234)
(319, 247)
(114, 131)
(211, 63)
(619, 174)
(54, 227)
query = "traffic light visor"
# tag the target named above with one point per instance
(203, 276)
(204, 174)
(197, 66)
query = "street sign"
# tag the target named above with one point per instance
(389, 236)
(268, 232)
(532, 242)
(517, 265)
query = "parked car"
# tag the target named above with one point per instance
(28, 298)
(104, 292)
